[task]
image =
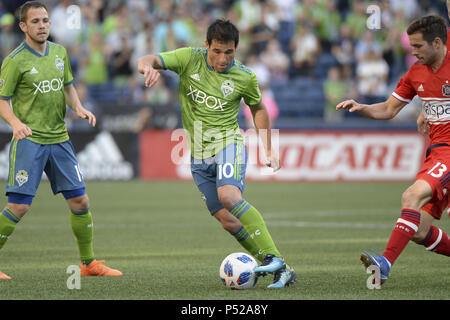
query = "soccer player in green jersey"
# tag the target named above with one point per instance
(212, 84)
(36, 79)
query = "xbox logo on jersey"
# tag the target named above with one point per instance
(46, 86)
(210, 102)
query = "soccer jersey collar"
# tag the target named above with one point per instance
(34, 51)
(211, 69)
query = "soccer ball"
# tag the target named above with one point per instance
(236, 271)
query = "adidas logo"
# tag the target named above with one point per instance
(420, 88)
(33, 71)
(101, 159)
(195, 77)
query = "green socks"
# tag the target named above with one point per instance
(83, 229)
(254, 224)
(8, 223)
(248, 243)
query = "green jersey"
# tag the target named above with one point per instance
(210, 101)
(35, 85)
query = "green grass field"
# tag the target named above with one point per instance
(160, 235)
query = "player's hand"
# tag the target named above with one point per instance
(422, 125)
(273, 161)
(151, 75)
(86, 114)
(349, 105)
(21, 130)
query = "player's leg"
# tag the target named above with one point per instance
(413, 199)
(231, 224)
(65, 176)
(81, 223)
(9, 218)
(230, 197)
(431, 181)
(230, 183)
(230, 179)
(26, 163)
(406, 227)
(431, 237)
(204, 178)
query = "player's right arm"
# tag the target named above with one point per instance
(379, 111)
(10, 77)
(20, 130)
(149, 65)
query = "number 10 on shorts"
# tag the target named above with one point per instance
(226, 170)
(438, 170)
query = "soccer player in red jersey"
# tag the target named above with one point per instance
(427, 197)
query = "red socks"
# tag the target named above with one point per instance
(437, 241)
(405, 228)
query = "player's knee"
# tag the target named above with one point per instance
(229, 222)
(226, 201)
(419, 236)
(229, 199)
(79, 203)
(232, 226)
(18, 209)
(410, 199)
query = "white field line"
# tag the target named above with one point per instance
(278, 219)
(331, 213)
(347, 225)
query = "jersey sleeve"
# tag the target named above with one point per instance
(9, 77)
(252, 94)
(176, 60)
(68, 76)
(405, 91)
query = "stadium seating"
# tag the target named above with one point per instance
(300, 97)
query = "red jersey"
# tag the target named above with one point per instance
(448, 40)
(434, 91)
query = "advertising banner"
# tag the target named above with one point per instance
(304, 156)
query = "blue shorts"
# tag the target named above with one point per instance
(227, 167)
(28, 161)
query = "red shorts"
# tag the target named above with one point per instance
(436, 171)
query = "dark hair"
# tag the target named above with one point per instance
(222, 31)
(431, 27)
(23, 10)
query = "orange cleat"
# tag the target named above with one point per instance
(97, 268)
(4, 276)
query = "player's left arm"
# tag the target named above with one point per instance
(263, 127)
(422, 124)
(73, 101)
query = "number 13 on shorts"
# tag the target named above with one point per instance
(438, 170)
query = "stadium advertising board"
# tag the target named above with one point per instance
(101, 155)
(304, 156)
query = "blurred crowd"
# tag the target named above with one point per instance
(328, 41)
